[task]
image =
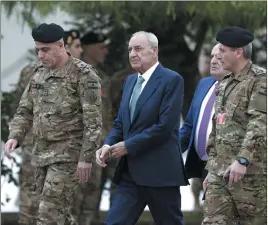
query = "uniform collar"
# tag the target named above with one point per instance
(243, 73)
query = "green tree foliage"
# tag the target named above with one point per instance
(183, 27)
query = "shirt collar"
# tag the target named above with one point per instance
(149, 72)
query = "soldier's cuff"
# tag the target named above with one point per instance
(87, 157)
(245, 154)
(16, 137)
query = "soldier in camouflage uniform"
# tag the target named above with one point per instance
(235, 188)
(62, 102)
(28, 199)
(72, 43)
(89, 194)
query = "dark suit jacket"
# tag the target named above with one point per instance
(154, 156)
(194, 165)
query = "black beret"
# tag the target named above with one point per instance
(234, 37)
(48, 33)
(70, 36)
(93, 38)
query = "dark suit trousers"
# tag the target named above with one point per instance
(130, 200)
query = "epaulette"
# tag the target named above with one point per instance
(258, 70)
(84, 67)
(37, 66)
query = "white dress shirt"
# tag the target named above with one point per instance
(146, 76)
(204, 103)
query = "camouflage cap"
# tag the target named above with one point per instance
(234, 37)
(48, 33)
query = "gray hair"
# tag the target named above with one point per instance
(152, 39)
(61, 41)
(247, 50)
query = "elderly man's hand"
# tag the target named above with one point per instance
(102, 155)
(118, 150)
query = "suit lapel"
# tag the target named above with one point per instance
(148, 90)
(128, 91)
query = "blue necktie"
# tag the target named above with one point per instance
(135, 96)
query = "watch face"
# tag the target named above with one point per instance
(242, 161)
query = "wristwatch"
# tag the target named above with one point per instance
(242, 161)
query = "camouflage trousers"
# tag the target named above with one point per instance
(88, 196)
(244, 203)
(56, 185)
(28, 199)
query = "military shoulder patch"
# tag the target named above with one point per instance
(93, 97)
(84, 67)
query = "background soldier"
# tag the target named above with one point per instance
(89, 194)
(72, 43)
(236, 184)
(28, 199)
(116, 88)
(66, 121)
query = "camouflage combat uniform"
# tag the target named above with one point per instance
(28, 203)
(64, 108)
(88, 196)
(243, 134)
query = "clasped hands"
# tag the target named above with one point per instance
(115, 151)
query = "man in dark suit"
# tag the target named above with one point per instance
(196, 128)
(144, 137)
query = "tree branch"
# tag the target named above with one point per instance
(200, 36)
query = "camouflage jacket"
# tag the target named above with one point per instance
(243, 134)
(64, 108)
